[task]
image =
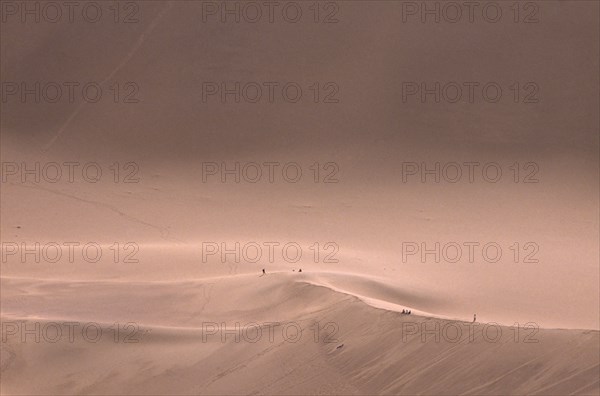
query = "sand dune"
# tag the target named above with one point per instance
(171, 306)
(359, 349)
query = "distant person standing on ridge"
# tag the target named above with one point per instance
(264, 273)
(474, 317)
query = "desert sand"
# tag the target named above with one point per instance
(173, 305)
(174, 350)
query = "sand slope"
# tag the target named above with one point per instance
(367, 350)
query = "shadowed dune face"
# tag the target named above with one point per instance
(156, 160)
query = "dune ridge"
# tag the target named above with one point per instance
(360, 349)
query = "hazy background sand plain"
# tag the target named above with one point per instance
(160, 123)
